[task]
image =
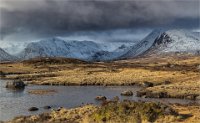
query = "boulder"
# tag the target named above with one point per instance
(47, 107)
(16, 84)
(116, 99)
(198, 67)
(33, 109)
(127, 93)
(2, 74)
(166, 82)
(141, 93)
(147, 84)
(100, 98)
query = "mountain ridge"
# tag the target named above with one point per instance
(169, 41)
(4, 56)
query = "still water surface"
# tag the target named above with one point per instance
(15, 103)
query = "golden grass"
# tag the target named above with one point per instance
(181, 71)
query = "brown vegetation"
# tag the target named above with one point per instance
(114, 111)
(175, 75)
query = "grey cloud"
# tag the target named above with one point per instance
(44, 18)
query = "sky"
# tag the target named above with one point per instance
(100, 20)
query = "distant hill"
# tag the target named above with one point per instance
(52, 60)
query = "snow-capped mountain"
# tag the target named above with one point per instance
(112, 55)
(13, 48)
(157, 42)
(56, 47)
(143, 45)
(4, 56)
(170, 41)
(177, 41)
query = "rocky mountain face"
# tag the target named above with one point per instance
(85, 50)
(170, 41)
(4, 56)
(157, 42)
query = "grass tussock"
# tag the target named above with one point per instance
(110, 112)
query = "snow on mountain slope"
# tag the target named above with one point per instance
(143, 45)
(170, 41)
(177, 41)
(4, 56)
(112, 55)
(13, 48)
(59, 48)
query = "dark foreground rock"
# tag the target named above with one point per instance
(16, 84)
(100, 98)
(127, 93)
(33, 109)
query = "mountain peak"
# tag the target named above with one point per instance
(162, 41)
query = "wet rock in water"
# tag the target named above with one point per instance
(191, 96)
(47, 107)
(147, 84)
(150, 94)
(33, 109)
(59, 108)
(16, 84)
(127, 93)
(100, 98)
(140, 93)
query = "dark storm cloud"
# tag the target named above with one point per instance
(44, 18)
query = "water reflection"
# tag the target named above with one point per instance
(17, 102)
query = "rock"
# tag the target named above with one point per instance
(116, 98)
(170, 65)
(33, 109)
(2, 74)
(127, 93)
(147, 84)
(47, 107)
(198, 67)
(104, 119)
(166, 82)
(169, 111)
(100, 98)
(150, 94)
(198, 97)
(191, 96)
(59, 108)
(140, 93)
(16, 84)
